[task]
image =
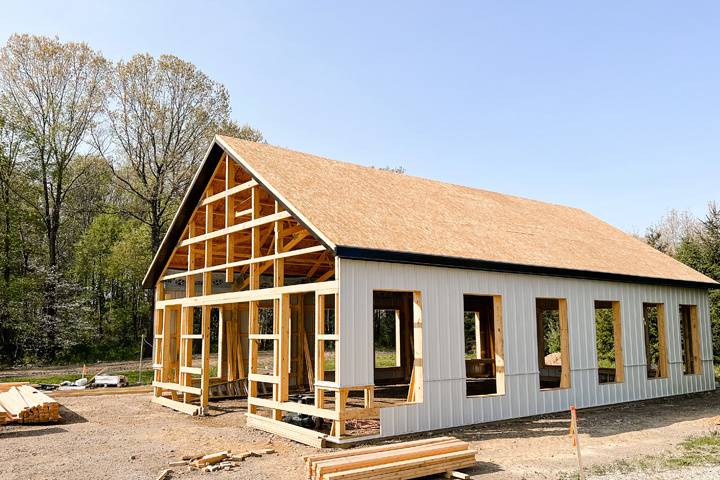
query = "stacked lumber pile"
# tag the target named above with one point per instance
(24, 404)
(395, 461)
(213, 462)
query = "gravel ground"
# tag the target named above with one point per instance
(128, 437)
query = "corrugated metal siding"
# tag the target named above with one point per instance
(442, 289)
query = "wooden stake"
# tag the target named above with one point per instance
(576, 441)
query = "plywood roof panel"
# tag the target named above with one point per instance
(362, 207)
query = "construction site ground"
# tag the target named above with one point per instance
(128, 437)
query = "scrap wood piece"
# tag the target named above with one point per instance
(456, 474)
(165, 474)
(211, 459)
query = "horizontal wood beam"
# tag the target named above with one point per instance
(236, 228)
(256, 377)
(179, 406)
(250, 295)
(248, 261)
(191, 370)
(228, 192)
(177, 387)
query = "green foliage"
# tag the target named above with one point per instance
(94, 159)
(604, 337)
(551, 323)
(701, 251)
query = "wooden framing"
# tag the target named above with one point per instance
(494, 357)
(239, 239)
(619, 375)
(661, 370)
(690, 340)
(542, 304)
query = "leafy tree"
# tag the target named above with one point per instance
(50, 93)
(245, 132)
(702, 252)
(162, 114)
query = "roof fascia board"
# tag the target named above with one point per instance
(376, 255)
(177, 220)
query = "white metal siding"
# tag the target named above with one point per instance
(445, 403)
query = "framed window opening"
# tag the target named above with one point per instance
(690, 340)
(553, 343)
(655, 340)
(608, 342)
(483, 345)
(397, 347)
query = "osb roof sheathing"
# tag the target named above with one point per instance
(405, 218)
(358, 206)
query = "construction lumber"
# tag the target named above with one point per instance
(165, 474)
(179, 406)
(396, 461)
(4, 387)
(293, 432)
(24, 404)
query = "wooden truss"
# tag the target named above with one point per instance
(242, 252)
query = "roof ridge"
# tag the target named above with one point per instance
(406, 175)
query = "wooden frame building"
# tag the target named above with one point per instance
(348, 303)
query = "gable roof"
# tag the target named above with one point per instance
(372, 214)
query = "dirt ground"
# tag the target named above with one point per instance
(128, 437)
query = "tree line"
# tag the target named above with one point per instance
(95, 157)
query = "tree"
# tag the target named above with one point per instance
(162, 114)
(232, 129)
(51, 93)
(669, 232)
(10, 147)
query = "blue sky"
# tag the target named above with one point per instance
(613, 107)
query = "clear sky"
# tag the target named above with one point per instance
(613, 107)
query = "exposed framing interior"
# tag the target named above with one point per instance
(249, 275)
(608, 342)
(553, 343)
(400, 380)
(690, 340)
(655, 340)
(483, 345)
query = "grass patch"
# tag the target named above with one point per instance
(701, 450)
(382, 359)
(132, 376)
(385, 358)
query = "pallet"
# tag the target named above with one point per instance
(397, 461)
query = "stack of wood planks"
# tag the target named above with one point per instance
(395, 461)
(24, 404)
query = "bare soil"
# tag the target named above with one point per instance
(128, 437)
